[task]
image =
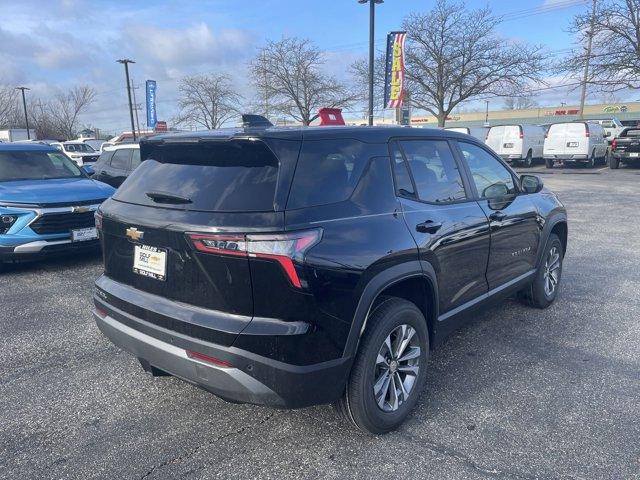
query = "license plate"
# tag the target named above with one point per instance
(634, 154)
(572, 144)
(84, 234)
(508, 145)
(150, 262)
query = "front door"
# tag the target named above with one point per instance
(513, 218)
(450, 229)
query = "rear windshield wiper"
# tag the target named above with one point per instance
(161, 197)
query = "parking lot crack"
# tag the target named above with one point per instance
(190, 453)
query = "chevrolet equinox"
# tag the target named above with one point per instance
(297, 266)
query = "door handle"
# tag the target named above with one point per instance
(497, 216)
(428, 227)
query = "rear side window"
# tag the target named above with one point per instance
(220, 176)
(404, 187)
(120, 159)
(135, 158)
(434, 171)
(327, 172)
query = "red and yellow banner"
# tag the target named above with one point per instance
(394, 72)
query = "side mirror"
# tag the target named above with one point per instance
(496, 190)
(531, 183)
(87, 169)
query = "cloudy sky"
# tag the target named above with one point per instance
(53, 44)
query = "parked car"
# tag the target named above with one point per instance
(116, 163)
(626, 148)
(478, 132)
(293, 267)
(47, 203)
(612, 127)
(575, 143)
(78, 151)
(517, 143)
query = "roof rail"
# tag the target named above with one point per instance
(251, 120)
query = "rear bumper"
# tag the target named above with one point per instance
(626, 157)
(251, 378)
(567, 158)
(511, 157)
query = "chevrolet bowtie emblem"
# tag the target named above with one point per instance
(134, 234)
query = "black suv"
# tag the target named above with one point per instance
(292, 267)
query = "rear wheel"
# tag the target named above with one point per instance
(614, 163)
(528, 161)
(544, 289)
(389, 370)
(591, 163)
(548, 163)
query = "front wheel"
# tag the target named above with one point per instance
(544, 289)
(548, 163)
(614, 163)
(389, 370)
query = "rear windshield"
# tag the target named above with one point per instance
(327, 172)
(229, 176)
(36, 166)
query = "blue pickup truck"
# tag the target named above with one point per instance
(47, 203)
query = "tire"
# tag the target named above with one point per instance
(528, 161)
(614, 163)
(591, 163)
(382, 413)
(548, 163)
(538, 294)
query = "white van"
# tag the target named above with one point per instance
(517, 143)
(575, 142)
(478, 132)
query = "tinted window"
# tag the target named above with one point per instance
(631, 132)
(434, 170)
(327, 172)
(135, 158)
(403, 181)
(486, 170)
(36, 166)
(120, 159)
(104, 158)
(224, 176)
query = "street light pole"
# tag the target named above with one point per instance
(486, 114)
(372, 21)
(126, 62)
(24, 104)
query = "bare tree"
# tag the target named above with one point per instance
(519, 102)
(454, 55)
(10, 112)
(289, 75)
(614, 63)
(207, 100)
(66, 107)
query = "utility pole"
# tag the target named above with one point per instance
(372, 21)
(126, 62)
(486, 114)
(583, 94)
(24, 104)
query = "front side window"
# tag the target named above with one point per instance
(489, 175)
(434, 170)
(36, 166)
(135, 158)
(120, 159)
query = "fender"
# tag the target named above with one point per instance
(379, 283)
(551, 222)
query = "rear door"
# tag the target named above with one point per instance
(116, 170)
(577, 142)
(555, 143)
(513, 218)
(495, 138)
(450, 229)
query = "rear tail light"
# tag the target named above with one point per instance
(587, 134)
(284, 248)
(521, 134)
(208, 359)
(614, 144)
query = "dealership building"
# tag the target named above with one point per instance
(628, 113)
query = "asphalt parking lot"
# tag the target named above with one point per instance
(520, 393)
